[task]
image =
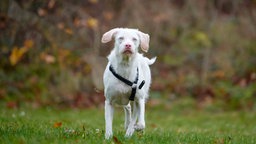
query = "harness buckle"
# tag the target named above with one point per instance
(134, 85)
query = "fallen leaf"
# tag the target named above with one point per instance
(116, 140)
(17, 54)
(153, 125)
(28, 43)
(92, 23)
(57, 124)
(12, 104)
(68, 31)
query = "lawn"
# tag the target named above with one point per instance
(176, 123)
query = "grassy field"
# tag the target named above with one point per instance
(173, 124)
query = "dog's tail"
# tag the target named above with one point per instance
(151, 61)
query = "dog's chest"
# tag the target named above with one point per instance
(120, 93)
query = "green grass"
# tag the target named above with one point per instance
(175, 124)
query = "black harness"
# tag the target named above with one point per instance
(129, 83)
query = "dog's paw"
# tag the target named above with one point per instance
(108, 134)
(139, 127)
(129, 131)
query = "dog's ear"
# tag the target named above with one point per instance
(107, 37)
(144, 41)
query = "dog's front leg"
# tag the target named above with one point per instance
(141, 115)
(127, 110)
(131, 129)
(109, 112)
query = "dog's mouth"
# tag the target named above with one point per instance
(127, 52)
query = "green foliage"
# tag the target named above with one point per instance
(236, 96)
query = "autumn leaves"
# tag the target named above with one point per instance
(17, 53)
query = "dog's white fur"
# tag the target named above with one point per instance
(125, 60)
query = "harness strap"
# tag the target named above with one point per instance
(128, 82)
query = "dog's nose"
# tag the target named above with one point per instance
(128, 46)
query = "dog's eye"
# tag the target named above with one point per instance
(134, 39)
(121, 38)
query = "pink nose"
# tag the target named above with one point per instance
(128, 46)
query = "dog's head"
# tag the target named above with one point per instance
(127, 41)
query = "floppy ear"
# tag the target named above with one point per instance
(144, 41)
(107, 37)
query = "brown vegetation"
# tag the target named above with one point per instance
(51, 53)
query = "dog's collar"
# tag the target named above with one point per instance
(128, 82)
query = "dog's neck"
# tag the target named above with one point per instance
(123, 64)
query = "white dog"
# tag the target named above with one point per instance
(127, 78)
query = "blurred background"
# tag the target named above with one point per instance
(51, 53)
